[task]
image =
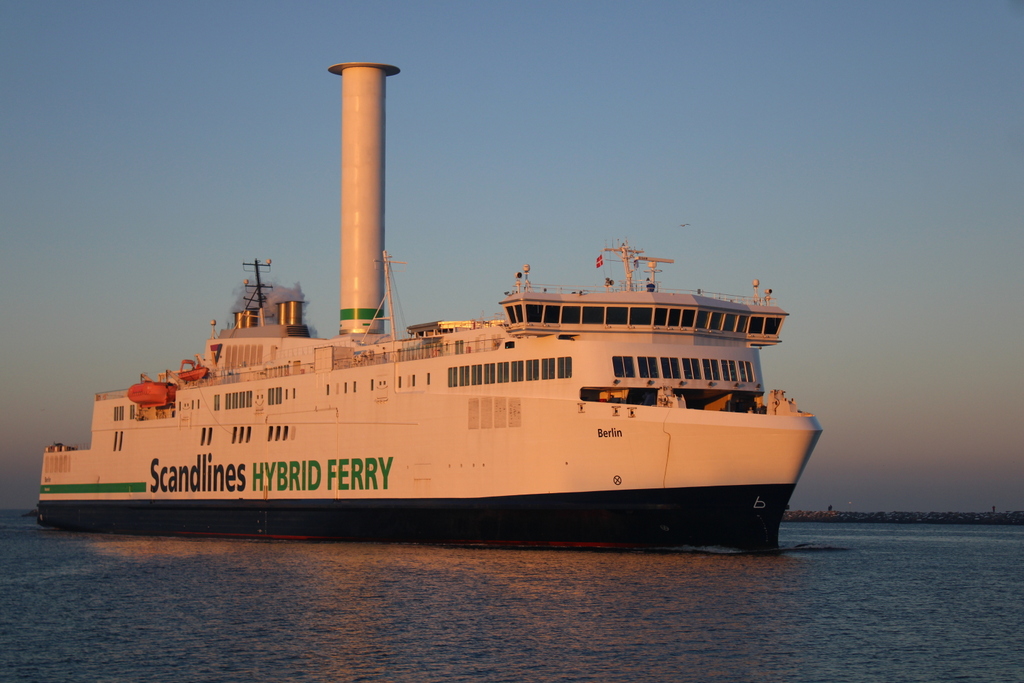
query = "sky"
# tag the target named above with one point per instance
(865, 160)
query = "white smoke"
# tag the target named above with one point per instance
(275, 294)
(280, 294)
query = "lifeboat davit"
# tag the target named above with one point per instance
(151, 393)
(194, 373)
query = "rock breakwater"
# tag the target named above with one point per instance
(840, 516)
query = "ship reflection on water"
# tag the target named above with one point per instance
(403, 612)
(886, 607)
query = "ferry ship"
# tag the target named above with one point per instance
(622, 415)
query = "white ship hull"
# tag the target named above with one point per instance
(431, 449)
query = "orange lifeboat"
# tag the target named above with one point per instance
(151, 393)
(194, 373)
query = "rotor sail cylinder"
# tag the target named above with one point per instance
(289, 313)
(362, 194)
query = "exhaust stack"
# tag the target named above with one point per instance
(362, 194)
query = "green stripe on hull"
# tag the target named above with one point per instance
(360, 313)
(112, 487)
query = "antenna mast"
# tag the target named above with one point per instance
(256, 298)
(631, 261)
(389, 293)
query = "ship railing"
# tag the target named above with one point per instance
(642, 287)
(289, 366)
(250, 374)
(416, 349)
(422, 351)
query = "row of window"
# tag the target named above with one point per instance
(119, 413)
(279, 433)
(244, 434)
(408, 382)
(412, 381)
(555, 314)
(233, 400)
(683, 368)
(510, 371)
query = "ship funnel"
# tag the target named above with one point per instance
(362, 194)
(247, 318)
(289, 313)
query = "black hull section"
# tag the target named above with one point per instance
(745, 517)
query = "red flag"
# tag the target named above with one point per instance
(600, 260)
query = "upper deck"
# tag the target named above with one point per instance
(637, 307)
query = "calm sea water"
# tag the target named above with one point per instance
(858, 603)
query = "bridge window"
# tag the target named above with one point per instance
(570, 315)
(593, 315)
(761, 325)
(616, 315)
(640, 316)
(551, 314)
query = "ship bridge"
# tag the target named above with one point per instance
(695, 315)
